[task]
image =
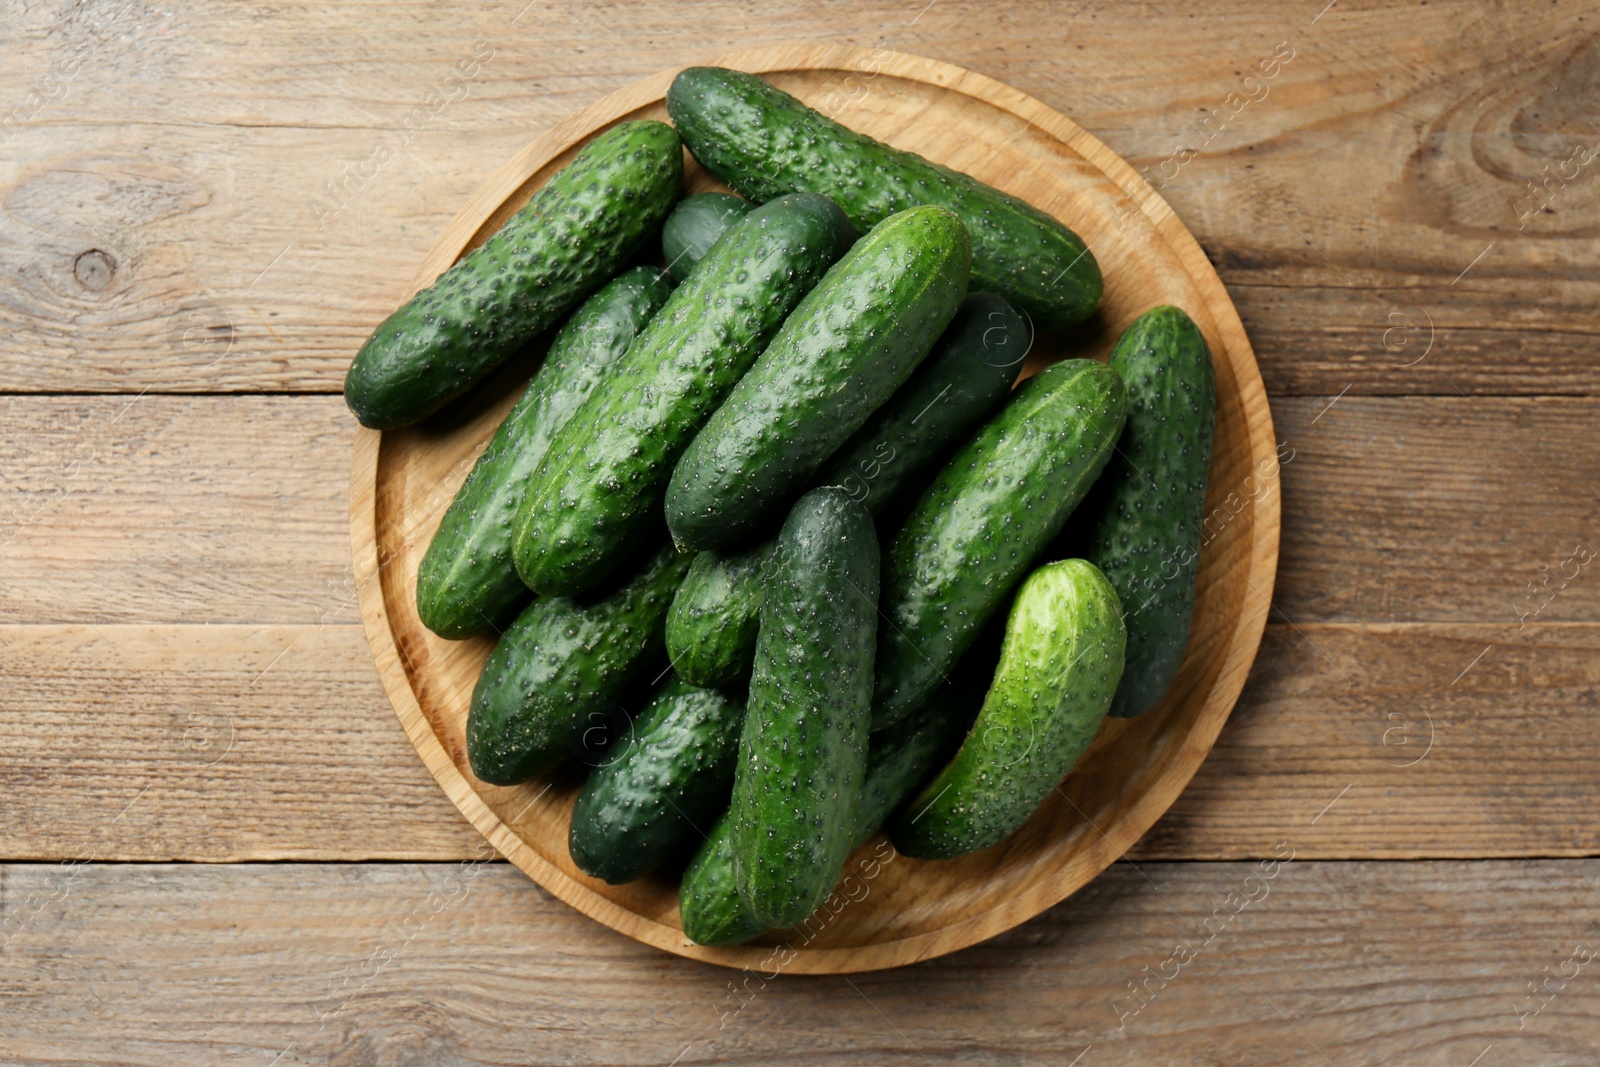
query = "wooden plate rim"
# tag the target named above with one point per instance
(1219, 701)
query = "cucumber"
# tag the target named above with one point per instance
(694, 226)
(659, 788)
(1059, 666)
(562, 661)
(597, 493)
(898, 761)
(711, 629)
(976, 531)
(846, 348)
(711, 632)
(763, 142)
(576, 232)
(968, 373)
(467, 582)
(1141, 523)
(803, 750)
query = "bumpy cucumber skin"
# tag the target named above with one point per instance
(898, 761)
(661, 786)
(991, 511)
(576, 232)
(763, 142)
(1141, 524)
(803, 750)
(840, 355)
(694, 226)
(1062, 659)
(711, 633)
(598, 490)
(561, 661)
(711, 629)
(965, 377)
(467, 583)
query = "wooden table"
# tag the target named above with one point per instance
(218, 846)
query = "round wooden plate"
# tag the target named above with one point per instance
(891, 910)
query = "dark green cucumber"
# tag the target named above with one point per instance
(846, 348)
(711, 633)
(1059, 666)
(803, 751)
(978, 528)
(576, 232)
(660, 786)
(711, 629)
(968, 373)
(763, 142)
(562, 661)
(467, 582)
(898, 761)
(694, 226)
(598, 490)
(1141, 522)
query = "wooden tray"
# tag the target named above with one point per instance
(897, 910)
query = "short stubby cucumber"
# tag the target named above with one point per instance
(846, 348)
(1141, 523)
(694, 226)
(977, 530)
(803, 750)
(467, 582)
(597, 493)
(763, 142)
(898, 761)
(711, 629)
(660, 786)
(562, 661)
(711, 633)
(576, 232)
(1059, 666)
(965, 377)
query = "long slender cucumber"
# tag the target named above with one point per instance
(1141, 524)
(763, 142)
(467, 582)
(597, 493)
(803, 751)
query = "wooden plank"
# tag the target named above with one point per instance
(223, 743)
(232, 509)
(1344, 963)
(1366, 201)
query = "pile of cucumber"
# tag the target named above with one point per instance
(773, 542)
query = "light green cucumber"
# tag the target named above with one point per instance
(978, 529)
(1059, 666)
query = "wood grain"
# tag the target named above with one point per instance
(1364, 964)
(1135, 769)
(190, 146)
(244, 743)
(1403, 509)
